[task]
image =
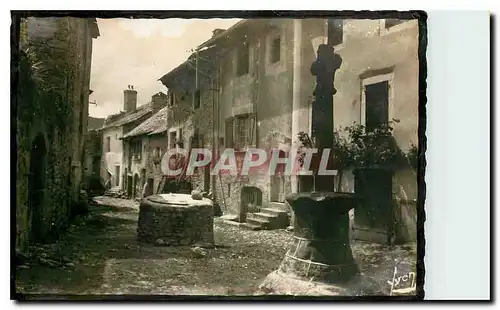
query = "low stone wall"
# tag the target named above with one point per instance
(173, 225)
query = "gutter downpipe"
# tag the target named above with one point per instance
(296, 92)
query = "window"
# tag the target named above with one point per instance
(175, 139)
(336, 31)
(171, 98)
(243, 59)
(392, 22)
(107, 144)
(377, 105)
(157, 152)
(244, 129)
(171, 139)
(136, 149)
(275, 50)
(196, 99)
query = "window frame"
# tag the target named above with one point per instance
(239, 55)
(250, 140)
(273, 68)
(136, 149)
(178, 135)
(389, 77)
(273, 52)
(107, 144)
(171, 99)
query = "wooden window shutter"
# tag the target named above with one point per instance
(229, 132)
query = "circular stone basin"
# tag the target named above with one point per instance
(175, 219)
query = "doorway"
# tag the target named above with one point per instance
(136, 183)
(277, 188)
(117, 175)
(36, 187)
(251, 201)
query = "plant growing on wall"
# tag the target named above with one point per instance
(375, 148)
(355, 147)
(412, 156)
(52, 65)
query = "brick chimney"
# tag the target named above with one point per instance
(217, 31)
(129, 99)
(159, 101)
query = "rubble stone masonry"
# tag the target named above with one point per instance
(51, 125)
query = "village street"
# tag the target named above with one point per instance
(100, 255)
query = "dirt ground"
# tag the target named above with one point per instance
(100, 255)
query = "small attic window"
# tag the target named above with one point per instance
(171, 99)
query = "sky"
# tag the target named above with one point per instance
(138, 52)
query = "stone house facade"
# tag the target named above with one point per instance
(382, 52)
(262, 96)
(115, 161)
(143, 147)
(190, 110)
(266, 86)
(51, 123)
(265, 91)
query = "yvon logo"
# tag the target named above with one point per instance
(403, 284)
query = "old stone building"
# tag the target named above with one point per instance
(51, 118)
(113, 166)
(251, 86)
(265, 93)
(380, 68)
(191, 104)
(264, 88)
(143, 147)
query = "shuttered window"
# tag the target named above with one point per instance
(245, 132)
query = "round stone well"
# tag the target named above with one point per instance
(176, 219)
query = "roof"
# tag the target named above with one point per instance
(127, 117)
(224, 33)
(152, 124)
(160, 129)
(183, 77)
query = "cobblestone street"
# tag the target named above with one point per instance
(100, 255)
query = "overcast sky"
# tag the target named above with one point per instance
(138, 52)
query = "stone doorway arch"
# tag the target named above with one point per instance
(36, 187)
(250, 202)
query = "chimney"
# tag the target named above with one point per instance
(129, 99)
(217, 31)
(159, 101)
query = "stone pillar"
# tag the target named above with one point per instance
(320, 247)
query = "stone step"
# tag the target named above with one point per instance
(251, 226)
(277, 212)
(277, 205)
(258, 222)
(264, 216)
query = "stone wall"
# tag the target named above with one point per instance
(266, 91)
(182, 115)
(165, 224)
(55, 120)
